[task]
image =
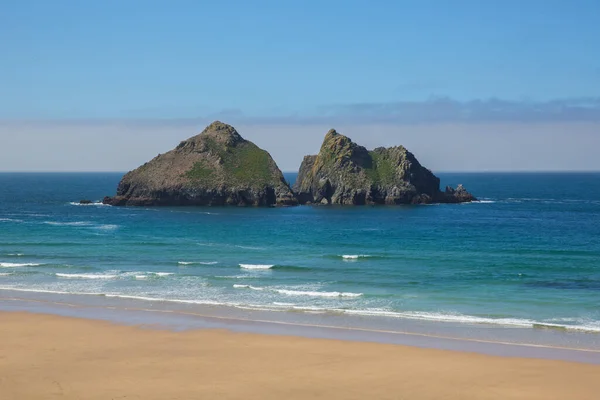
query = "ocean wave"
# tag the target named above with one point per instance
(249, 247)
(20, 289)
(256, 266)
(75, 223)
(212, 244)
(470, 319)
(147, 275)
(93, 204)
(87, 276)
(234, 276)
(16, 265)
(10, 220)
(247, 287)
(162, 299)
(197, 262)
(354, 256)
(289, 292)
(15, 254)
(591, 326)
(5, 273)
(107, 227)
(484, 201)
(316, 294)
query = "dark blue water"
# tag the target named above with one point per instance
(527, 255)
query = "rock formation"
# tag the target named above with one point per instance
(346, 173)
(216, 167)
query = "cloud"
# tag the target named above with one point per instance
(447, 110)
(435, 110)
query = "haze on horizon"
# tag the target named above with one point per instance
(465, 85)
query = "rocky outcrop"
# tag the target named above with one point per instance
(217, 167)
(346, 173)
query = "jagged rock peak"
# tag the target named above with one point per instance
(346, 173)
(222, 133)
(218, 128)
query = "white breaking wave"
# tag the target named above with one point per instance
(299, 292)
(15, 254)
(197, 262)
(316, 294)
(354, 256)
(256, 266)
(86, 276)
(442, 317)
(76, 223)
(10, 220)
(107, 227)
(249, 247)
(5, 273)
(16, 265)
(584, 326)
(148, 275)
(96, 203)
(247, 287)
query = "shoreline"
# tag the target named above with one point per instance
(187, 318)
(44, 356)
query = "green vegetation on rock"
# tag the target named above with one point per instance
(382, 171)
(248, 164)
(243, 165)
(201, 173)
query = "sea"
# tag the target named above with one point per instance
(521, 265)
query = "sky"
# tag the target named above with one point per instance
(466, 85)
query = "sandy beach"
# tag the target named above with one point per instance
(47, 357)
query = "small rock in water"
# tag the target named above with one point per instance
(85, 202)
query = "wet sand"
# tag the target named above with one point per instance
(47, 356)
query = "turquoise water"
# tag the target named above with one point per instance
(527, 255)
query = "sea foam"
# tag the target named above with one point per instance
(316, 294)
(75, 223)
(256, 266)
(247, 287)
(16, 265)
(107, 227)
(197, 262)
(96, 204)
(354, 256)
(87, 276)
(10, 220)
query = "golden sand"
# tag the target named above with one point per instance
(51, 357)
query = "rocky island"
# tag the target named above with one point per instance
(217, 167)
(348, 174)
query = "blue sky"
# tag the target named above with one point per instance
(185, 59)
(83, 81)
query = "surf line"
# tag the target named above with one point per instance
(341, 328)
